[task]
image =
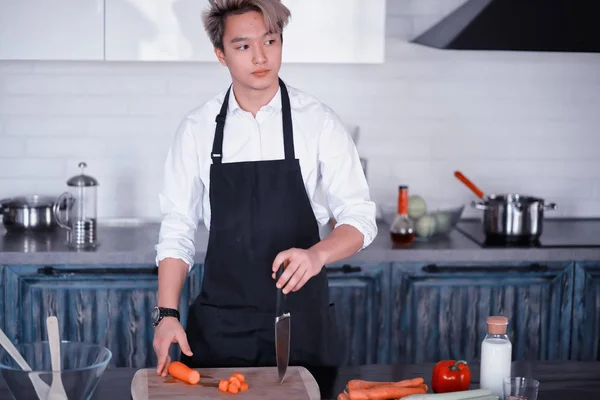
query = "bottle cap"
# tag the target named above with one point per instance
(497, 325)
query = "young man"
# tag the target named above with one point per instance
(262, 164)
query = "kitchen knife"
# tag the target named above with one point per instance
(282, 331)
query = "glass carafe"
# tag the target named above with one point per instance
(79, 204)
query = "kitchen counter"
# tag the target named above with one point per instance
(558, 380)
(132, 242)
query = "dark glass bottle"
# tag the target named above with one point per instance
(402, 229)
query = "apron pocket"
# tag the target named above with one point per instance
(314, 338)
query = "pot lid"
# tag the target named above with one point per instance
(82, 179)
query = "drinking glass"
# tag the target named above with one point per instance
(520, 388)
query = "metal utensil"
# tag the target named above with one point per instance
(57, 390)
(41, 388)
(469, 184)
(282, 331)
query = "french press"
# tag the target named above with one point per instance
(80, 210)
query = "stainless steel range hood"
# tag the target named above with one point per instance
(519, 25)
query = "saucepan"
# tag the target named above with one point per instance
(29, 213)
(509, 217)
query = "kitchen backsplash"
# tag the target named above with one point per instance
(520, 122)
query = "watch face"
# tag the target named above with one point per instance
(155, 314)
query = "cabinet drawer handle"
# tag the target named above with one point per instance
(436, 269)
(51, 271)
(346, 269)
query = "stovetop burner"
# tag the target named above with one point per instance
(500, 242)
(580, 233)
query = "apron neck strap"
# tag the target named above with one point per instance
(286, 119)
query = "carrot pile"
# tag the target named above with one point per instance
(365, 390)
(235, 384)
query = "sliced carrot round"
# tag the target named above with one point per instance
(223, 385)
(240, 376)
(233, 389)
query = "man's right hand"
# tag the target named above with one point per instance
(168, 331)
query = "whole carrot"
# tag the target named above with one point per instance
(360, 384)
(384, 393)
(184, 373)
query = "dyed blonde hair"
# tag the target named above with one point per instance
(276, 16)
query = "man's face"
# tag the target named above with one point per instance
(252, 54)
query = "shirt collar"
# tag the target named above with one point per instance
(274, 104)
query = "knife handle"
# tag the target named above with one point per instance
(280, 296)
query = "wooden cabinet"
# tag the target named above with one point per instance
(108, 305)
(361, 297)
(586, 313)
(333, 31)
(386, 313)
(45, 30)
(2, 297)
(440, 311)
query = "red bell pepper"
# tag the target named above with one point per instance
(450, 376)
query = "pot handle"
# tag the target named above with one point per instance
(68, 197)
(549, 206)
(479, 205)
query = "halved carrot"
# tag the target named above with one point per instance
(179, 370)
(244, 387)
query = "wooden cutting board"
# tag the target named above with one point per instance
(263, 383)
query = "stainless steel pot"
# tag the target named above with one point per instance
(28, 213)
(513, 217)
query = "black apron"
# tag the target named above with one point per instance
(258, 209)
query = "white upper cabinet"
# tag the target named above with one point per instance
(51, 30)
(156, 30)
(335, 31)
(320, 31)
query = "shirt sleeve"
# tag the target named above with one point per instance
(180, 199)
(343, 179)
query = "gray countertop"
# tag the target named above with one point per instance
(133, 243)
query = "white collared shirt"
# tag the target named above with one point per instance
(329, 163)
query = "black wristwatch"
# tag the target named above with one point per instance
(158, 313)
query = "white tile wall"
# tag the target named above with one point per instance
(524, 122)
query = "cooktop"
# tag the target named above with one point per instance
(556, 233)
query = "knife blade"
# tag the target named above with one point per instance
(282, 331)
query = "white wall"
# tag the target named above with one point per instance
(524, 122)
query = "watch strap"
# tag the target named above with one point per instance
(166, 312)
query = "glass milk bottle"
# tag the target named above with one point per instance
(496, 356)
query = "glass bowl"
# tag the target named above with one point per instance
(434, 224)
(82, 367)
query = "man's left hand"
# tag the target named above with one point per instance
(300, 266)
